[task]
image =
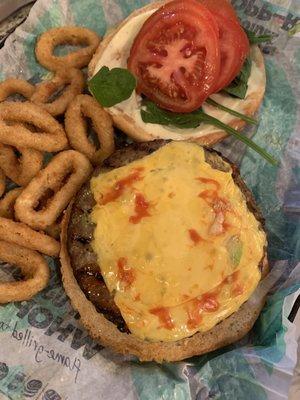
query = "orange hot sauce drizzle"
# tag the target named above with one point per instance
(237, 289)
(232, 277)
(119, 187)
(208, 302)
(137, 297)
(220, 206)
(164, 317)
(207, 180)
(125, 274)
(194, 235)
(194, 317)
(141, 209)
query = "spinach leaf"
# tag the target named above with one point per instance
(238, 87)
(151, 113)
(243, 117)
(256, 39)
(111, 87)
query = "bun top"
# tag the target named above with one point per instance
(114, 52)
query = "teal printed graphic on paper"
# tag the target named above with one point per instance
(268, 332)
(51, 18)
(273, 133)
(297, 59)
(154, 381)
(128, 6)
(12, 381)
(229, 376)
(92, 14)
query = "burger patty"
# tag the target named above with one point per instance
(80, 230)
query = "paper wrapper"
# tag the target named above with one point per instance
(45, 353)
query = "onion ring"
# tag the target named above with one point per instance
(8, 202)
(76, 128)
(75, 80)
(33, 266)
(23, 235)
(20, 170)
(72, 35)
(63, 176)
(51, 137)
(2, 182)
(14, 85)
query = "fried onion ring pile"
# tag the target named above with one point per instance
(74, 80)
(72, 35)
(23, 235)
(20, 170)
(13, 86)
(2, 182)
(76, 128)
(49, 135)
(70, 166)
(31, 213)
(7, 203)
(34, 268)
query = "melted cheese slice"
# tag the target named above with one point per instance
(116, 55)
(176, 243)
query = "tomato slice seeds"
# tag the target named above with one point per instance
(176, 57)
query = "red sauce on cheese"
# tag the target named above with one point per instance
(194, 317)
(208, 195)
(232, 277)
(208, 180)
(220, 207)
(119, 187)
(194, 235)
(237, 289)
(141, 209)
(125, 273)
(164, 317)
(214, 200)
(208, 303)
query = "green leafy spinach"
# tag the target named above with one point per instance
(151, 113)
(111, 87)
(257, 39)
(238, 87)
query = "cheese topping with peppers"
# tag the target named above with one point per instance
(176, 244)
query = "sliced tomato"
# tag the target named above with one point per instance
(221, 7)
(234, 48)
(176, 56)
(234, 43)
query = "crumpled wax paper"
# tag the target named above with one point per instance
(45, 353)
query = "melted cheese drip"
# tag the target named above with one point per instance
(116, 55)
(176, 244)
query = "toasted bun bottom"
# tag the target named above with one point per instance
(128, 125)
(226, 332)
